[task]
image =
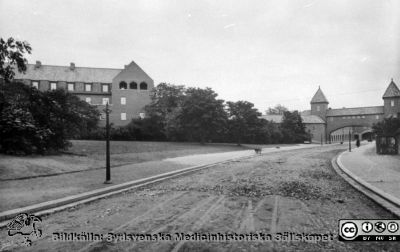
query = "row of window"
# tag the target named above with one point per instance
(391, 104)
(71, 86)
(106, 100)
(354, 117)
(88, 86)
(133, 85)
(123, 116)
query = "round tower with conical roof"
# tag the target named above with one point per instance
(391, 100)
(319, 104)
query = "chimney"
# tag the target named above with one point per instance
(72, 66)
(38, 64)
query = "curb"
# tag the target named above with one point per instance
(385, 200)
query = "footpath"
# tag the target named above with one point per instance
(381, 173)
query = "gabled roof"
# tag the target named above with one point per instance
(355, 111)
(135, 67)
(319, 97)
(306, 118)
(64, 73)
(312, 119)
(392, 91)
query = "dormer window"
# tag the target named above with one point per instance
(318, 108)
(53, 85)
(88, 87)
(123, 85)
(35, 84)
(104, 88)
(392, 103)
(71, 86)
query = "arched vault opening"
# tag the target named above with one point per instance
(343, 134)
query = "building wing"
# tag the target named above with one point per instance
(356, 111)
(68, 73)
(311, 119)
(307, 119)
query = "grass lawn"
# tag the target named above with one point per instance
(83, 169)
(87, 155)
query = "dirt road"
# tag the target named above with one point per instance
(294, 191)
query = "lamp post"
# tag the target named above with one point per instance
(108, 170)
(349, 141)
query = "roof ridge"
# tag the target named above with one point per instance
(141, 69)
(78, 67)
(359, 107)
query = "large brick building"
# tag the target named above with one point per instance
(334, 125)
(127, 90)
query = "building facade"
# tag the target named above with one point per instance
(126, 90)
(338, 125)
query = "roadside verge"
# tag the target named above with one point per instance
(71, 201)
(386, 200)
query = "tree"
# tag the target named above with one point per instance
(244, 121)
(36, 122)
(71, 116)
(277, 110)
(202, 116)
(12, 55)
(19, 132)
(389, 126)
(166, 99)
(293, 129)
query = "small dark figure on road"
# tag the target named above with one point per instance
(358, 143)
(258, 150)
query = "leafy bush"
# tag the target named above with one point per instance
(177, 113)
(292, 127)
(20, 134)
(37, 122)
(389, 126)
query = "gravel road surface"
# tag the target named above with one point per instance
(294, 191)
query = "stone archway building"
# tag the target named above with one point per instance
(359, 121)
(333, 125)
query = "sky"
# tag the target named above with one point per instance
(265, 52)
